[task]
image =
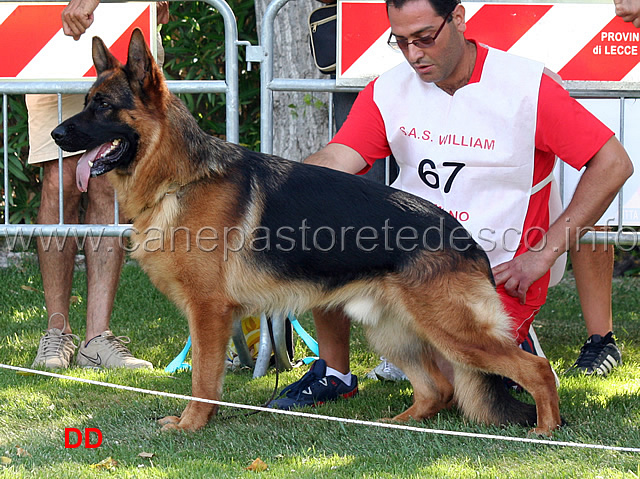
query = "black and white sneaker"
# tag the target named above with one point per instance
(599, 355)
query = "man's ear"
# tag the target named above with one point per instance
(102, 57)
(458, 16)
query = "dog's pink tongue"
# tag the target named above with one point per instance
(83, 170)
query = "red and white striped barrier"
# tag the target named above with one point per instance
(584, 42)
(34, 47)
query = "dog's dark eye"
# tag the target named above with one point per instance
(103, 105)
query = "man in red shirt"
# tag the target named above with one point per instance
(476, 131)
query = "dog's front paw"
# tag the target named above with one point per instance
(169, 423)
(183, 423)
(392, 420)
(541, 432)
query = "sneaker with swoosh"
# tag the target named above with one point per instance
(108, 351)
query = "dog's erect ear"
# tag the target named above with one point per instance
(102, 57)
(140, 62)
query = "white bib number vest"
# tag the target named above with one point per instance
(471, 153)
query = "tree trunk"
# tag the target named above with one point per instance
(300, 125)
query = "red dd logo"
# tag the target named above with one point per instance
(69, 432)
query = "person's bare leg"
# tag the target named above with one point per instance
(104, 258)
(56, 255)
(593, 270)
(333, 332)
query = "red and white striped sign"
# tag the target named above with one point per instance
(584, 42)
(34, 47)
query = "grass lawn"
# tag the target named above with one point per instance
(35, 410)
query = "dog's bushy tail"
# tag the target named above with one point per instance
(484, 398)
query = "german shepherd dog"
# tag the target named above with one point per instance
(224, 231)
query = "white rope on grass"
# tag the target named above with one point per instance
(326, 418)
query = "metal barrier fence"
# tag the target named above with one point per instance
(597, 90)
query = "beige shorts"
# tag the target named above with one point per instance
(43, 118)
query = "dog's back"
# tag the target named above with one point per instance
(328, 226)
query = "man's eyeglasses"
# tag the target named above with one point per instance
(422, 42)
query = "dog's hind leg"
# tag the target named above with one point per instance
(533, 373)
(464, 319)
(432, 391)
(210, 327)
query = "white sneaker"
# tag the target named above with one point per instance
(108, 351)
(387, 371)
(55, 350)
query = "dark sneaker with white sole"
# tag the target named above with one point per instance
(314, 389)
(599, 355)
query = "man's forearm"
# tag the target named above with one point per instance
(604, 176)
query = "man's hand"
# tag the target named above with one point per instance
(78, 16)
(163, 13)
(629, 11)
(605, 174)
(522, 271)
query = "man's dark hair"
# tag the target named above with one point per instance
(441, 7)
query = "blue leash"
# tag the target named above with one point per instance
(311, 343)
(179, 363)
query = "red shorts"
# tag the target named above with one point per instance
(522, 314)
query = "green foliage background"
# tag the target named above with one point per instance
(194, 45)
(24, 181)
(194, 50)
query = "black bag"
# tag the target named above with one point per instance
(322, 37)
